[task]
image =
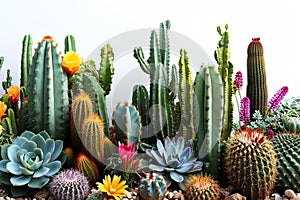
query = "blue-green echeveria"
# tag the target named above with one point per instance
(30, 161)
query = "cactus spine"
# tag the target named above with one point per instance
(153, 186)
(209, 107)
(70, 44)
(222, 55)
(287, 148)
(48, 104)
(88, 167)
(107, 69)
(251, 164)
(185, 96)
(256, 76)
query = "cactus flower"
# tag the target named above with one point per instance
(127, 155)
(276, 99)
(3, 108)
(14, 94)
(114, 187)
(71, 62)
(238, 80)
(245, 110)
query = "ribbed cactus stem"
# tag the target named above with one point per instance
(87, 166)
(26, 60)
(256, 76)
(70, 43)
(185, 96)
(9, 123)
(48, 103)
(209, 109)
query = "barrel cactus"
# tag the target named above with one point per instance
(30, 161)
(287, 148)
(251, 164)
(202, 187)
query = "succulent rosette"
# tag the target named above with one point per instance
(30, 161)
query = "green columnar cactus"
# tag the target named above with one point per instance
(126, 125)
(153, 186)
(209, 104)
(222, 56)
(87, 81)
(48, 104)
(257, 90)
(70, 44)
(185, 96)
(287, 148)
(87, 166)
(161, 96)
(107, 69)
(7, 83)
(26, 60)
(92, 136)
(9, 123)
(82, 108)
(251, 164)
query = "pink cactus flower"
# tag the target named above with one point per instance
(127, 156)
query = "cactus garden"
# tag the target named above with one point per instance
(177, 137)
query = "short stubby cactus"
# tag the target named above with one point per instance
(153, 186)
(30, 161)
(70, 184)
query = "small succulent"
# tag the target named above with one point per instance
(30, 161)
(173, 159)
(69, 184)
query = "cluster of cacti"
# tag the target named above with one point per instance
(69, 184)
(257, 90)
(152, 186)
(48, 103)
(251, 164)
(202, 187)
(287, 148)
(209, 111)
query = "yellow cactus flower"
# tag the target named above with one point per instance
(3, 108)
(71, 62)
(113, 188)
(1, 130)
(14, 94)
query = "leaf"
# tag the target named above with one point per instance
(176, 177)
(19, 191)
(3, 164)
(54, 168)
(38, 182)
(156, 168)
(57, 150)
(14, 168)
(20, 180)
(12, 153)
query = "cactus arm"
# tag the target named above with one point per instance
(174, 85)
(7, 83)
(106, 68)
(186, 97)
(26, 59)
(1, 61)
(164, 45)
(70, 44)
(9, 123)
(139, 55)
(140, 99)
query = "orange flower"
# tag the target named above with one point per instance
(14, 94)
(3, 108)
(71, 62)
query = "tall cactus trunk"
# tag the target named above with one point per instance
(257, 90)
(48, 103)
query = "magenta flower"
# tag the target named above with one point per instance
(238, 80)
(277, 98)
(245, 110)
(127, 155)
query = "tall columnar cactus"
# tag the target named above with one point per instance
(48, 104)
(92, 136)
(222, 56)
(70, 44)
(107, 69)
(185, 96)
(157, 66)
(126, 124)
(87, 81)
(251, 164)
(287, 148)
(257, 90)
(209, 105)
(26, 60)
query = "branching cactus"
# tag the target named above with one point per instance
(70, 44)
(48, 104)
(126, 125)
(222, 56)
(107, 69)
(257, 90)
(209, 107)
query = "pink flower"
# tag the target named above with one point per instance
(127, 155)
(245, 110)
(238, 80)
(276, 99)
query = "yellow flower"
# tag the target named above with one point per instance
(71, 62)
(3, 108)
(1, 130)
(113, 188)
(14, 94)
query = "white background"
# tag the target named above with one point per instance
(94, 21)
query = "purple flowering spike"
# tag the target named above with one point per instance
(276, 99)
(238, 80)
(245, 110)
